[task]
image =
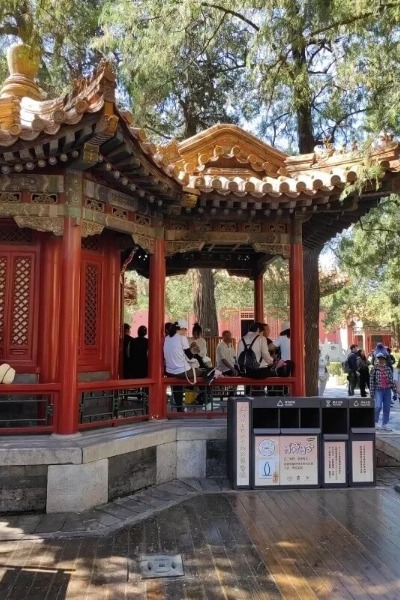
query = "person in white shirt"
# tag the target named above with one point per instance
(259, 345)
(197, 337)
(225, 355)
(282, 343)
(178, 358)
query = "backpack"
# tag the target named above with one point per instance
(345, 366)
(247, 360)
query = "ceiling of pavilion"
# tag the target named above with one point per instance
(223, 174)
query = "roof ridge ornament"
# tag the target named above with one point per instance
(23, 64)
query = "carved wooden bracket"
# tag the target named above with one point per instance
(53, 224)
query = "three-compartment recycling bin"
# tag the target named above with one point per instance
(289, 442)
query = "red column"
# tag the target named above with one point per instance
(157, 404)
(50, 278)
(114, 285)
(67, 413)
(259, 299)
(297, 316)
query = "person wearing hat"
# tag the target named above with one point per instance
(7, 374)
(381, 385)
(178, 356)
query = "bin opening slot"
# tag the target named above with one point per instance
(362, 417)
(334, 420)
(310, 418)
(265, 418)
(290, 418)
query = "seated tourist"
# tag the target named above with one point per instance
(254, 359)
(197, 337)
(285, 366)
(179, 360)
(139, 352)
(225, 355)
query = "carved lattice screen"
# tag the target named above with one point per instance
(17, 310)
(91, 311)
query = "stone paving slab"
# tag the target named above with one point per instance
(131, 510)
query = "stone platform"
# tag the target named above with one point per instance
(74, 473)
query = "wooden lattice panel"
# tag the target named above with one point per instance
(91, 243)
(3, 281)
(12, 234)
(92, 304)
(18, 313)
(20, 301)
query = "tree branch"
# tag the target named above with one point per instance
(228, 11)
(352, 19)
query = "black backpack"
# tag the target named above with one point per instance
(247, 360)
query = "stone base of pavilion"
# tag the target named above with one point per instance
(74, 473)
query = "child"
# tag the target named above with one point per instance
(381, 385)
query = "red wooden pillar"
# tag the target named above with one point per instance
(259, 299)
(157, 403)
(67, 413)
(114, 284)
(297, 316)
(50, 279)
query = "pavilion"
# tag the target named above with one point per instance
(84, 195)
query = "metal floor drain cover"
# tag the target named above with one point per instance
(160, 565)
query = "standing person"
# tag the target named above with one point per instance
(352, 376)
(381, 385)
(396, 377)
(323, 374)
(225, 355)
(139, 351)
(363, 372)
(127, 352)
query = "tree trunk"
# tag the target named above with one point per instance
(311, 319)
(205, 307)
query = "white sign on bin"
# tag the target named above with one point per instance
(266, 461)
(298, 460)
(362, 453)
(243, 444)
(334, 462)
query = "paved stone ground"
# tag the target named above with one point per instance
(248, 545)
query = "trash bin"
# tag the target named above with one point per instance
(286, 439)
(362, 469)
(335, 437)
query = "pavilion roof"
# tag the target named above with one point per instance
(224, 172)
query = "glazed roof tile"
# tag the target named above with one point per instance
(224, 159)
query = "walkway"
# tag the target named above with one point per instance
(304, 544)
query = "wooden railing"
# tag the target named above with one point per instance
(28, 408)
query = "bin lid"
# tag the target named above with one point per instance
(301, 431)
(266, 430)
(335, 436)
(369, 430)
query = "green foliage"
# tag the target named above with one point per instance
(335, 368)
(369, 254)
(60, 29)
